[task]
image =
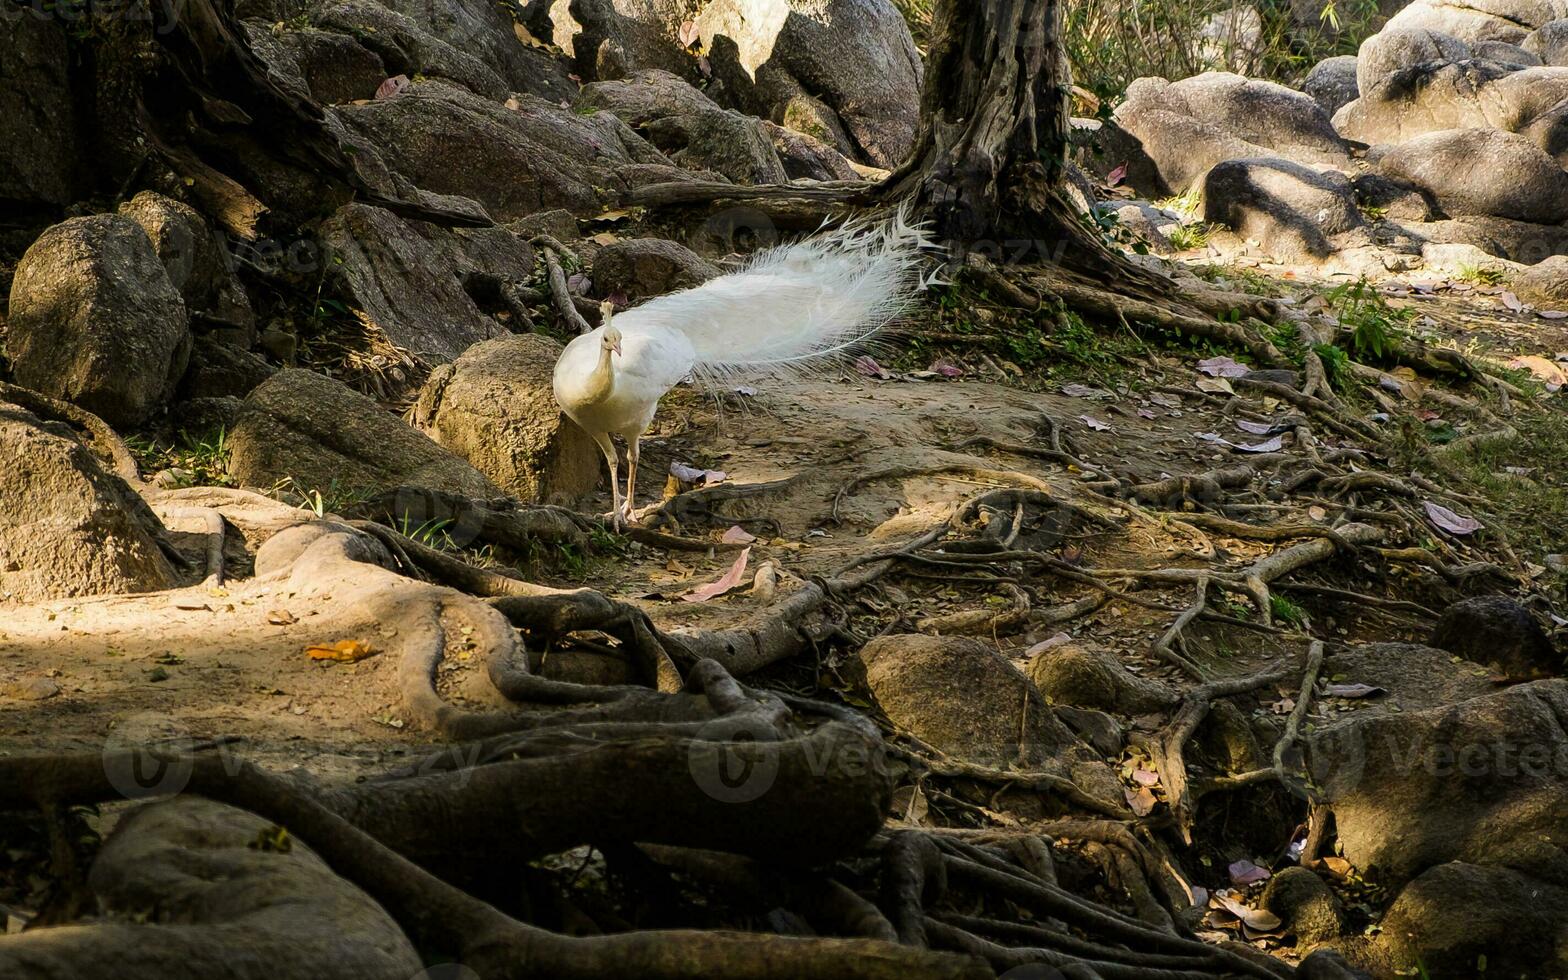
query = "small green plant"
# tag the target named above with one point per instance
(336, 499)
(194, 460)
(1186, 205)
(1480, 275)
(1285, 611)
(1371, 322)
(1189, 236)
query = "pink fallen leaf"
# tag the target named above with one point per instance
(1049, 643)
(1244, 873)
(1222, 367)
(1256, 428)
(1076, 390)
(1142, 802)
(578, 283)
(392, 86)
(1145, 777)
(1552, 315)
(868, 366)
(1095, 423)
(947, 369)
(1147, 413)
(1115, 176)
(1511, 301)
(691, 474)
(689, 34)
(1449, 521)
(737, 535)
(730, 580)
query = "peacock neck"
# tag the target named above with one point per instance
(601, 382)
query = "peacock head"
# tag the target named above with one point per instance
(611, 341)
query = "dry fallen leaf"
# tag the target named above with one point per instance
(343, 651)
(1244, 872)
(1142, 801)
(730, 580)
(737, 535)
(281, 617)
(1449, 521)
(1222, 367)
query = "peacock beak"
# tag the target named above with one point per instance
(617, 349)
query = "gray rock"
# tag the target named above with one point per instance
(1486, 775)
(1332, 82)
(406, 49)
(856, 57)
(1456, 915)
(1482, 172)
(95, 320)
(1474, 21)
(963, 697)
(198, 265)
(71, 527)
(408, 279)
(485, 30)
(1086, 677)
(1549, 42)
(643, 34)
(513, 161)
(205, 417)
(1398, 200)
(1496, 631)
(558, 223)
(324, 436)
(807, 157)
(218, 369)
(327, 66)
(1295, 212)
(1517, 241)
(495, 407)
(38, 153)
(1503, 53)
(639, 268)
(1544, 283)
(1393, 49)
(688, 126)
(1309, 909)
(1187, 127)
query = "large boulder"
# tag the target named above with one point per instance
(95, 320)
(1186, 127)
(326, 66)
(321, 435)
(1485, 774)
(1474, 21)
(69, 527)
(219, 370)
(1394, 49)
(1544, 284)
(1524, 242)
(966, 699)
(846, 62)
(192, 882)
(1293, 211)
(641, 268)
(1088, 677)
(688, 126)
(1482, 172)
(38, 158)
(1549, 42)
(495, 407)
(1498, 632)
(1460, 921)
(1436, 96)
(404, 48)
(516, 159)
(487, 31)
(198, 265)
(642, 33)
(1332, 82)
(408, 277)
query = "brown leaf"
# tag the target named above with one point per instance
(1142, 801)
(281, 617)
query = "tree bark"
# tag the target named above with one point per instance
(990, 156)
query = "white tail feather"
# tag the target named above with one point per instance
(796, 305)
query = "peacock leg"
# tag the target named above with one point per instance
(608, 447)
(633, 449)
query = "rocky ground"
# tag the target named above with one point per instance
(1212, 647)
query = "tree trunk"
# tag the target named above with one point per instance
(990, 157)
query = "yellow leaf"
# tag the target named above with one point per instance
(343, 651)
(604, 238)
